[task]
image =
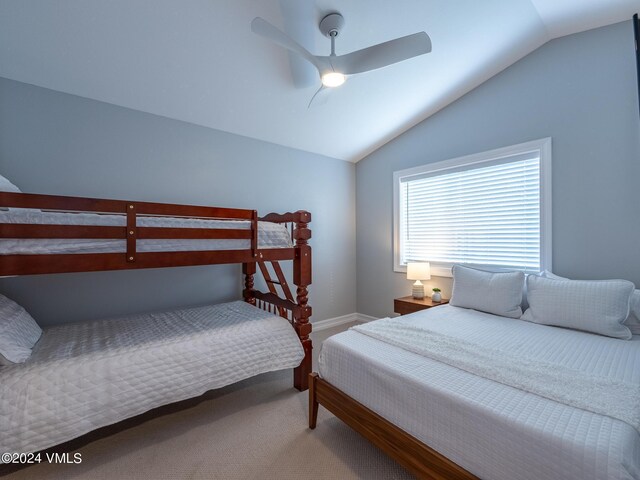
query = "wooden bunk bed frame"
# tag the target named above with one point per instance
(296, 310)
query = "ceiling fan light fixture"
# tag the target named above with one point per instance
(334, 69)
(333, 79)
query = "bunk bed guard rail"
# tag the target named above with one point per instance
(130, 231)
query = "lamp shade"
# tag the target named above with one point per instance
(419, 271)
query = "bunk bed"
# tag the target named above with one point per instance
(48, 234)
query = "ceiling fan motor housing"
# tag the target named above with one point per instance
(331, 25)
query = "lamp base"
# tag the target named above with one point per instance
(418, 290)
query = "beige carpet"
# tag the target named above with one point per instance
(255, 429)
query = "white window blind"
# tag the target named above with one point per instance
(485, 213)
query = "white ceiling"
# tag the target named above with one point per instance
(197, 60)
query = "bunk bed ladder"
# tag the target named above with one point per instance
(271, 284)
(295, 309)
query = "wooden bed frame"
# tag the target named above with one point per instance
(418, 458)
(296, 310)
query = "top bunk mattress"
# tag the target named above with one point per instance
(270, 235)
(88, 375)
(493, 430)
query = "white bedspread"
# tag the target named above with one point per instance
(598, 394)
(493, 430)
(270, 235)
(87, 375)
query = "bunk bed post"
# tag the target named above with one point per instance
(249, 270)
(302, 279)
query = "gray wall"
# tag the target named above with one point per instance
(580, 90)
(56, 143)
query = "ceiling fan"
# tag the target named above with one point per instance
(334, 69)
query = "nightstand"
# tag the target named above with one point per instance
(406, 305)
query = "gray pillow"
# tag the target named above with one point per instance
(596, 306)
(499, 293)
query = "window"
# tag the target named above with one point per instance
(491, 209)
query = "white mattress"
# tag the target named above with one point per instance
(270, 235)
(493, 430)
(87, 375)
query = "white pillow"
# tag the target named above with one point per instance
(499, 293)
(7, 186)
(19, 332)
(633, 320)
(548, 274)
(597, 306)
(543, 273)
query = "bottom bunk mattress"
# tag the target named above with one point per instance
(84, 376)
(493, 430)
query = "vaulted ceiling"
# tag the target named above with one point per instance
(197, 60)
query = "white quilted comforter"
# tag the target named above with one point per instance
(87, 375)
(494, 430)
(270, 235)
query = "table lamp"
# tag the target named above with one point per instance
(418, 271)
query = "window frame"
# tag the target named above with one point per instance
(542, 147)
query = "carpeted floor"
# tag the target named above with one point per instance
(255, 429)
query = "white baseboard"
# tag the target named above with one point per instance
(362, 318)
(336, 321)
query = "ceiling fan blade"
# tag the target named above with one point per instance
(381, 55)
(261, 27)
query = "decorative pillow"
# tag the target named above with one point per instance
(597, 306)
(633, 320)
(499, 293)
(544, 273)
(19, 332)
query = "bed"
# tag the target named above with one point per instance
(84, 376)
(443, 422)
